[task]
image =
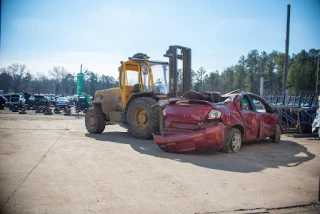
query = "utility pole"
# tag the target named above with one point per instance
(317, 77)
(285, 70)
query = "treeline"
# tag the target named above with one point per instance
(245, 75)
(16, 78)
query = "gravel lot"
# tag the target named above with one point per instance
(50, 164)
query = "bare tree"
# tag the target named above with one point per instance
(17, 72)
(37, 87)
(58, 74)
(26, 81)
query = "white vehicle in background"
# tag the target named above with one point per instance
(16, 100)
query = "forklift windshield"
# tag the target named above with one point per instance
(160, 74)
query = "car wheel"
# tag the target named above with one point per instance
(277, 134)
(233, 141)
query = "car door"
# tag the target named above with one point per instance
(267, 117)
(251, 119)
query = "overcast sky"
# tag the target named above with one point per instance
(101, 33)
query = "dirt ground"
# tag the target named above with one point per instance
(50, 164)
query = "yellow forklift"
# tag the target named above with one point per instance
(142, 84)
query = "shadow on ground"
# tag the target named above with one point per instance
(253, 157)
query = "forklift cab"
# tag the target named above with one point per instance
(140, 75)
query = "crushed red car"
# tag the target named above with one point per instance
(210, 121)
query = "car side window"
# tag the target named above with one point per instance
(245, 104)
(260, 106)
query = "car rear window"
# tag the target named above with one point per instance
(39, 97)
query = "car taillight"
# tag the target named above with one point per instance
(214, 114)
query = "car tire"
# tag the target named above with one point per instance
(233, 141)
(95, 120)
(277, 134)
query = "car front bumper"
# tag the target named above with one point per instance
(211, 138)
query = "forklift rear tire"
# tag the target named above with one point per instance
(95, 120)
(143, 119)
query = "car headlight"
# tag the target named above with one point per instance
(214, 114)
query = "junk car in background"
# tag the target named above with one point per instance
(82, 104)
(62, 102)
(40, 100)
(16, 100)
(210, 121)
(3, 102)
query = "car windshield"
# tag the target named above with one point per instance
(160, 73)
(39, 97)
(62, 99)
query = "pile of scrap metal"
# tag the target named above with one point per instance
(296, 113)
